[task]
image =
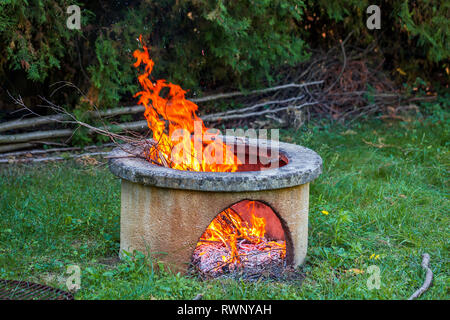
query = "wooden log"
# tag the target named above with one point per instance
(30, 136)
(119, 111)
(5, 149)
(240, 93)
(17, 146)
(63, 133)
(52, 150)
(72, 156)
(136, 125)
(38, 121)
(213, 117)
(31, 122)
(34, 152)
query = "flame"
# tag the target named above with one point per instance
(183, 141)
(228, 228)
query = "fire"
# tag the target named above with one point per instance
(240, 238)
(183, 142)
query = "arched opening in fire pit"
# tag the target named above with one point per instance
(248, 238)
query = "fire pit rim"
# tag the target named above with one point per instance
(304, 165)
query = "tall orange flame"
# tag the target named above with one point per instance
(183, 141)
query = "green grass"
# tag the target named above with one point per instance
(384, 185)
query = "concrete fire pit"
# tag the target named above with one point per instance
(165, 211)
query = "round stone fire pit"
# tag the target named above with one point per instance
(165, 211)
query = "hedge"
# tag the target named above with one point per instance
(200, 44)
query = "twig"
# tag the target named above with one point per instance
(210, 241)
(428, 277)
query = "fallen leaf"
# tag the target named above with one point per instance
(348, 132)
(399, 70)
(355, 271)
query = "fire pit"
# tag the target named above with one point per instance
(165, 212)
(191, 197)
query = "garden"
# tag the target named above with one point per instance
(93, 142)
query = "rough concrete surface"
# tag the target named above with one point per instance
(165, 211)
(304, 165)
(167, 223)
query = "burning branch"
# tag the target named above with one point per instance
(230, 243)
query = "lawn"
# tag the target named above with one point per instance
(384, 191)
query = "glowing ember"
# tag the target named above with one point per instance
(229, 243)
(183, 141)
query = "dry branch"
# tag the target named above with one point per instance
(71, 156)
(63, 133)
(239, 93)
(255, 114)
(41, 120)
(137, 125)
(16, 146)
(254, 107)
(29, 123)
(119, 111)
(428, 277)
(19, 146)
(40, 151)
(30, 136)
(45, 151)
